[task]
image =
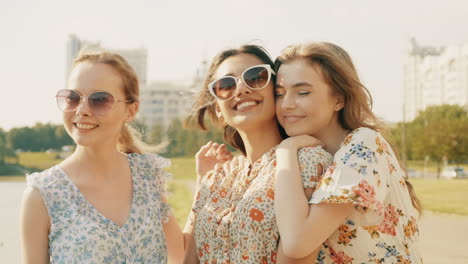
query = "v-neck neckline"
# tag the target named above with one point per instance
(84, 201)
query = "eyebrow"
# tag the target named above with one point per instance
(299, 84)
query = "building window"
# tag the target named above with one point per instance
(158, 102)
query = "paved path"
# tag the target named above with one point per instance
(10, 200)
(444, 238)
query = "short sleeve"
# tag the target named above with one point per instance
(33, 180)
(358, 175)
(312, 162)
(158, 163)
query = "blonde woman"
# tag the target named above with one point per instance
(106, 202)
(363, 209)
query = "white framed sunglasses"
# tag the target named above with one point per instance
(255, 78)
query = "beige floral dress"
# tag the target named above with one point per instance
(235, 211)
(383, 228)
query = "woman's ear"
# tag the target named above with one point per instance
(340, 103)
(132, 111)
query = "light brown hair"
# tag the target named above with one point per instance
(129, 140)
(340, 74)
(205, 102)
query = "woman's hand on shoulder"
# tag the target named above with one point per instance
(209, 156)
(298, 142)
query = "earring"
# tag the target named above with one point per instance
(221, 119)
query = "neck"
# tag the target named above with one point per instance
(332, 137)
(99, 160)
(258, 140)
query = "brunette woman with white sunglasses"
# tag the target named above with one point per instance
(233, 218)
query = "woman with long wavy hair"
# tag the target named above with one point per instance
(363, 209)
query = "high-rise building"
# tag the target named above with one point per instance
(137, 58)
(161, 102)
(434, 76)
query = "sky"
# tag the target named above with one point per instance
(180, 34)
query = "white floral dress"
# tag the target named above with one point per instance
(383, 228)
(235, 220)
(80, 234)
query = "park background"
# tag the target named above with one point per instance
(179, 36)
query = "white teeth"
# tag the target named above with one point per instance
(85, 126)
(291, 118)
(245, 104)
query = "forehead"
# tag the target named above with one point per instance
(88, 77)
(236, 64)
(299, 71)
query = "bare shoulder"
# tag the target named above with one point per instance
(33, 202)
(32, 195)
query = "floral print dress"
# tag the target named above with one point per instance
(383, 227)
(235, 218)
(80, 234)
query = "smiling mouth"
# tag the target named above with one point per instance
(292, 119)
(245, 105)
(85, 126)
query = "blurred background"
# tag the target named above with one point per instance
(411, 55)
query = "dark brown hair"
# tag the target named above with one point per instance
(205, 102)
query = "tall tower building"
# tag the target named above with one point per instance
(434, 76)
(137, 58)
(161, 102)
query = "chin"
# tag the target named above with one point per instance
(83, 142)
(295, 131)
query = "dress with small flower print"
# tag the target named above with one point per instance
(383, 227)
(80, 234)
(235, 220)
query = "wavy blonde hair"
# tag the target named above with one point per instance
(130, 139)
(340, 74)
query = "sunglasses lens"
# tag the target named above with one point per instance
(100, 102)
(257, 77)
(224, 88)
(67, 100)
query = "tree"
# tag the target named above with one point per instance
(175, 134)
(440, 133)
(5, 150)
(187, 141)
(40, 137)
(156, 135)
(62, 138)
(21, 138)
(140, 126)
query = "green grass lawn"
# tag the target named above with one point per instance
(444, 196)
(180, 194)
(183, 168)
(38, 161)
(180, 199)
(18, 178)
